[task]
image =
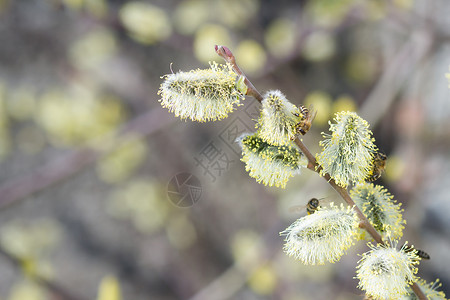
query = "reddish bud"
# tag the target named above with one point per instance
(223, 51)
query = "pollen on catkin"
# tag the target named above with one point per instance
(348, 152)
(382, 211)
(429, 289)
(201, 95)
(278, 120)
(385, 272)
(322, 236)
(269, 164)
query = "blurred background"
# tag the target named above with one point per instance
(87, 152)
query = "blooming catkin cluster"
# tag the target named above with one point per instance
(347, 153)
(201, 95)
(385, 272)
(279, 117)
(429, 289)
(321, 236)
(269, 164)
(381, 210)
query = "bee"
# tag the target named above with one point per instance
(308, 116)
(311, 207)
(420, 253)
(379, 163)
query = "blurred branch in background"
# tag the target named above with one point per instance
(61, 169)
(78, 90)
(58, 292)
(397, 71)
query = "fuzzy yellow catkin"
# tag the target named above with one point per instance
(278, 120)
(385, 272)
(429, 289)
(382, 211)
(201, 95)
(272, 165)
(347, 152)
(322, 236)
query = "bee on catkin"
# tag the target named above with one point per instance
(304, 125)
(379, 164)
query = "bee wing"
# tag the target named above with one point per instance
(324, 201)
(297, 208)
(301, 208)
(312, 113)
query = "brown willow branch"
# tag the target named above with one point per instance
(314, 166)
(63, 168)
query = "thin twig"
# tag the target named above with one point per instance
(56, 289)
(313, 165)
(226, 54)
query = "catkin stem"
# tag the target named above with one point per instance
(228, 56)
(340, 190)
(313, 165)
